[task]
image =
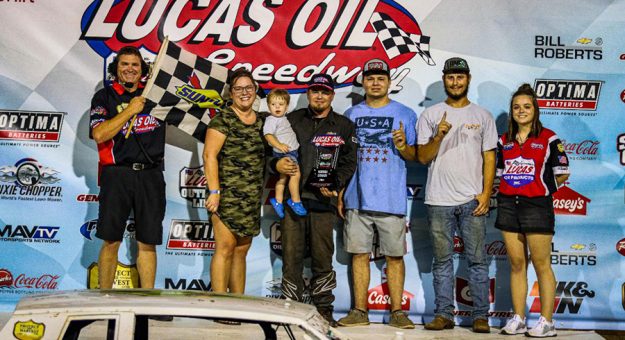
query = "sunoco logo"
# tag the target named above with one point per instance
(31, 125)
(192, 185)
(28, 180)
(569, 297)
(336, 37)
(567, 94)
(191, 235)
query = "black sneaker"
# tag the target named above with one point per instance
(327, 315)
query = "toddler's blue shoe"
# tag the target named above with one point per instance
(278, 207)
(297, 207)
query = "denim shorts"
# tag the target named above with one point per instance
(520, 214)
(359, 232)
(291, 154)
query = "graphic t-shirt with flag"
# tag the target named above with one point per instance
(379, 183)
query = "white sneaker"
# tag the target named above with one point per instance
(542, 329)
(515, 326)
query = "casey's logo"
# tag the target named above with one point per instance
(336, 37)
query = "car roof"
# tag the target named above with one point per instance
(166, 302)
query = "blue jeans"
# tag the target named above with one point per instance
(472, 229)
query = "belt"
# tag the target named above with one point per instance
(140, 166)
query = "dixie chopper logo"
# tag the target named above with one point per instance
(28, 180)
(333, 37)
(192, 186)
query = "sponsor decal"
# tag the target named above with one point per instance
(567, 201)
(328, 140)
(620, 147)
(554, 47)
(463, 293)
(414, 191)
(184, 284)
(519, 171)
(559, 94)
(190, 236)
(620, 247)
(336, 37)
(31, 126)
(89, 198)
(569, 297)
(378, 298)
(87, 229)
(275, 241)
(274, 289)
(623, 96)
(578, 254)
(24, 233)
(193, 93)
(622, 56)
(192, 185)
(22, 283)
(586, 149)
(28, 180)
(29, 330)
(126, 276)
(496, 248)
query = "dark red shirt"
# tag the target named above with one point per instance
(147, 130)
(530, 169)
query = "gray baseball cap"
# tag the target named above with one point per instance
(456, 65)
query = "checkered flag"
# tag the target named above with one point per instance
(396, 41)
(185, 89)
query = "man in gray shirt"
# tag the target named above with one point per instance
(457, 139)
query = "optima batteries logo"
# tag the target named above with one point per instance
(28, 180)
(567, 94)
(331, 36)
(31, 125)
(191, 235)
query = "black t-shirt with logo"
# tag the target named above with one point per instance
(147, 130)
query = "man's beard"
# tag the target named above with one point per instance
(318, 108)
(457, 96)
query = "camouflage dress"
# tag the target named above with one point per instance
(241, 164)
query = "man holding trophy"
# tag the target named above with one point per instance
(327, 161)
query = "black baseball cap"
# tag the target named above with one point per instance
(321, 80)
(376, 66)
(456, 65)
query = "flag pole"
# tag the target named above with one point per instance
(148, 86)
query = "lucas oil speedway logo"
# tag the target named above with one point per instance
(282, 42)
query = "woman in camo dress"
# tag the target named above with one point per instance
(234, 159)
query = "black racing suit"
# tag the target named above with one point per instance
(313, 234)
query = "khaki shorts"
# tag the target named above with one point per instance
(360, 227)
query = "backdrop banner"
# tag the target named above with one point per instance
(54, 58)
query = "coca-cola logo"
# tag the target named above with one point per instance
(620, 247)
(585, 147)
(45, 281)
(567, 201)
(6, 278)
(336, 37)
(496, 248)
(380, 299)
